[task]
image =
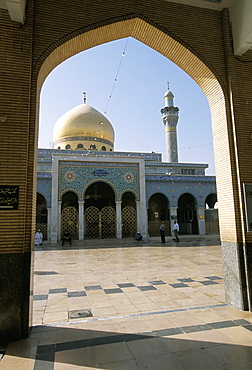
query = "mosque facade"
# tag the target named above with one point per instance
(87, 188)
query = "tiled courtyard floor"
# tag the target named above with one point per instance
(125, 305)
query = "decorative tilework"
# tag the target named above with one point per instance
(58, 290)
(76, 294)
(126, 285)
(179, 285)
(93, 287)
(146, 287)
(172, 186)
(44, 187)
(113, 291)
(208, 282)
(44, 175)
(40, 297)
(152, 285)
(77, 176)
(157, 282)
(175, 186)
(186, 280)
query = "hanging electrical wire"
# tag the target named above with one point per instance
(195, 146)
(116, 77)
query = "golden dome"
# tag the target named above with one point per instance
(83, 127)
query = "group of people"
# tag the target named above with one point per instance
(175, 230)
(139, 237)
(39, 237)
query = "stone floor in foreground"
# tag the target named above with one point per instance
(125, 305)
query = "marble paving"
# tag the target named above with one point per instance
(126, 305)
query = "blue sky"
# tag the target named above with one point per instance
(137, 97)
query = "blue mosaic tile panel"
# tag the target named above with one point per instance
(44, 175)
(173, 189)
(44, 187)
(77, 176)
(181, 178)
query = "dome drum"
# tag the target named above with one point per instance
(84, 143)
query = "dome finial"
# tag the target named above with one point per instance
(168, 85)
(84, 97)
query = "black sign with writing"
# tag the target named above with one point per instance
(9, 197)
(100, 173)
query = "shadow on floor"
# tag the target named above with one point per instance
(163, 349)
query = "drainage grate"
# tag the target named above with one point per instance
(79, 314)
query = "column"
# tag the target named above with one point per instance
(142, 219)
(81, 220)
(173, 217)
(118, 220)
(49, 223)
(55, 212)
(201, 220)
(138, 217)
(59, 221)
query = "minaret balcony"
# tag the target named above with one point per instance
(170, 110)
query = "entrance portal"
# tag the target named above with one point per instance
(100, 214)
(70, 215)
(158, 212)
(187, 215)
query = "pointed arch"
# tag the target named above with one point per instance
(180, 53)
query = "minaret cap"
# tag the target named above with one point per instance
(168, 98)
(169, 95)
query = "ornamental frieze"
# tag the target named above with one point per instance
(77, 175)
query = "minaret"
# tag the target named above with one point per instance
(170, 120)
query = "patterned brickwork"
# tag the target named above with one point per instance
(17, 132)
(197, 40)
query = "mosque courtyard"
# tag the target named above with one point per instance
(125, 305)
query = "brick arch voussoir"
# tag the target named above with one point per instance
(130, 25)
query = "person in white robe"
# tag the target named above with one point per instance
(38, 237)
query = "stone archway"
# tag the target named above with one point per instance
(219, 93)
(187, 59)
(206, 56)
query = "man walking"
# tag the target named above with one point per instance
(162, 232)
(176, 231)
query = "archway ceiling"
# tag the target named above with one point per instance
(240, 15)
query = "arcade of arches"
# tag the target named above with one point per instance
(100, 214)
(179, 32)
